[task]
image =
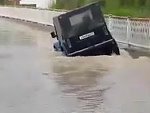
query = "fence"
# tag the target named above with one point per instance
(130, 31)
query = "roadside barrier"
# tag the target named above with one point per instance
(130, 31)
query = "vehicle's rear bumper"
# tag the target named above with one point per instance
(96, 49)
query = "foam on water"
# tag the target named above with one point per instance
(125, 79)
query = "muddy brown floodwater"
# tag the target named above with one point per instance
(35, 79)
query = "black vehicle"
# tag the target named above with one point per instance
(83, 32)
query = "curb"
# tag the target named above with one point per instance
(28, 21)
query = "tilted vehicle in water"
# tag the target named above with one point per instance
(83, 32)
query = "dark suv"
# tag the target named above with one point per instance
(83, 32)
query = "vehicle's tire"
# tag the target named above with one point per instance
(57, 46)
(116, 50)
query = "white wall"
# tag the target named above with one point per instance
(44, 3)
(39, 3)
(28, 2)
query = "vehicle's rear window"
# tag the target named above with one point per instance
(81, 22)
(80, 18)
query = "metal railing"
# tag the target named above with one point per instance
(130, 31)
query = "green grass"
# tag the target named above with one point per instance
(131, 12)
(111, 7)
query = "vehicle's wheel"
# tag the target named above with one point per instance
(116, 50)
(57, 46)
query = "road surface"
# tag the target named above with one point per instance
(35, 79)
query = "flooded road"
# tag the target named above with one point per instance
(35, 79)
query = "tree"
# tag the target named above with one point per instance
(127, 2)
(2, 2)
(147, 3)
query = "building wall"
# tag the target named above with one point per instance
(44, 3)
(39, 3)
